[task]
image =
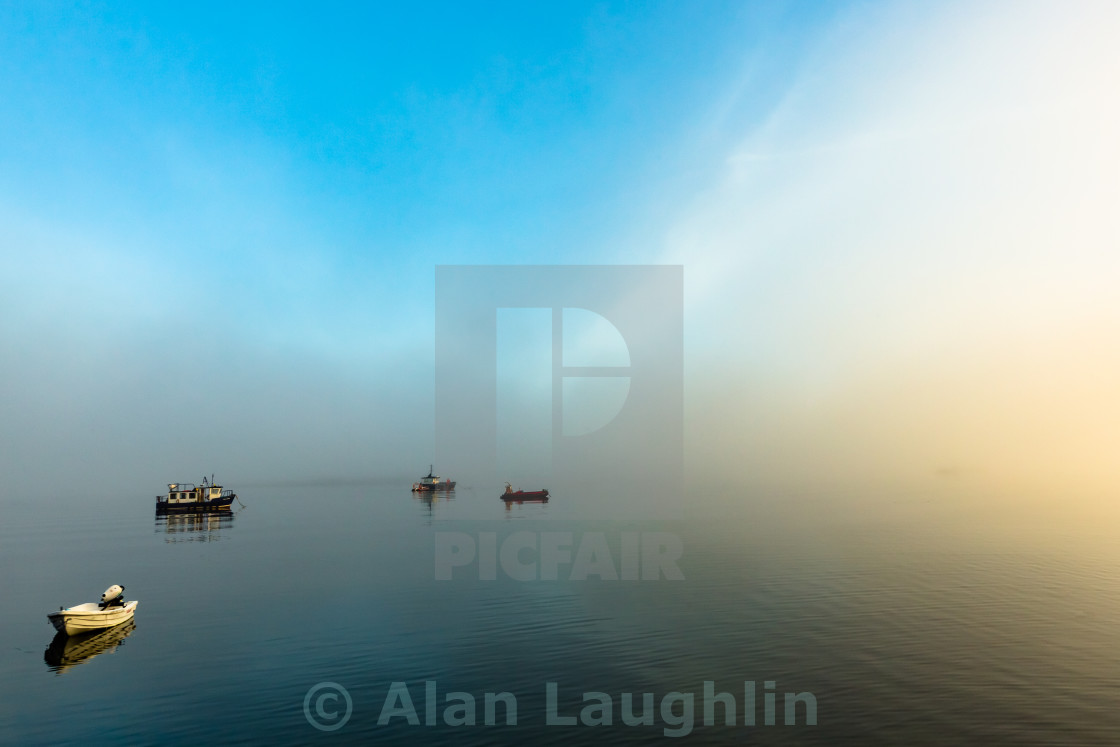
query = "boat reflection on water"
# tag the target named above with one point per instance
(66, 651)
(429, 500)
(202, 527)
(527, 502)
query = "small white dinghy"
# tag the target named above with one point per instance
(83, 618)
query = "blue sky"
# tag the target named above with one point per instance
(354, 148)
(860, 193)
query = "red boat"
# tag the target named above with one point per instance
(523, 495)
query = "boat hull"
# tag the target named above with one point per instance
(84, 618)
(438, 488)
(522, 495)
(217, 504)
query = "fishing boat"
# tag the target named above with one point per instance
(431, 483)
(82, 618)
(186, 496)
(523, 495)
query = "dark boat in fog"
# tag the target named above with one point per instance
(186, 496)
(523, 495)
(432, 483)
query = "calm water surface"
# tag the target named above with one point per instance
(909, 621)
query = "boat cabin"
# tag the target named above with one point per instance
(189, 493)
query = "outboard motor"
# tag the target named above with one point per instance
(113, 597)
